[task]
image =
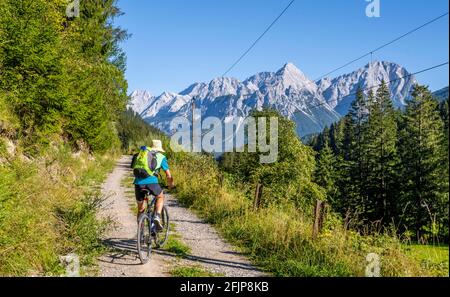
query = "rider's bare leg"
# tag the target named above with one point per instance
(141, 209)
(159, 203)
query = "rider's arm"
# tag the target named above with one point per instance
(169, 179)
(165, 167)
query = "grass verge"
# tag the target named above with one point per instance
(278, 238)
(48, 209)
(192, 271)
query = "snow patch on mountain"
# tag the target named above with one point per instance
(340, 91)
(311, 105)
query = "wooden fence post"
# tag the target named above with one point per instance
(318, 218)
(221, 177)
(258, 195)
(323, 212)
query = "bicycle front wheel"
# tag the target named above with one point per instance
(144, 239)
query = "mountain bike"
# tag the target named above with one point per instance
(147, 233)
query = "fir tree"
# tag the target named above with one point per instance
(325, 173)
(424, 173)
(381, 156)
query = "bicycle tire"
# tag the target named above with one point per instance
(161, 238)
(144, 239)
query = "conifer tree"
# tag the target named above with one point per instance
(325, 173)
(381, 156)
(355, 155)
(425, 180)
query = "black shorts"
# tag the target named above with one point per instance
(155, 190)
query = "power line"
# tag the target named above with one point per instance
(388, 82)
(376, 86)
(372, 87)
(258, 39)
(370, 53)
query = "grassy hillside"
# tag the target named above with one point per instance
(62, 89)
(48, 208)
(279, 237)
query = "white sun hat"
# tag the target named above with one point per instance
(157, 146)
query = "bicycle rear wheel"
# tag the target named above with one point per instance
(161, 237)
(144, 239)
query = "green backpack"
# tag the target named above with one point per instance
(146, 163)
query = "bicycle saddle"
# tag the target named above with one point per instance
(147, 192)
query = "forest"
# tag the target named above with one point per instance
(388, 168)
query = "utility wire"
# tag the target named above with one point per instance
(375, 86)
(258, 39)
(370, 53)
(387, 82)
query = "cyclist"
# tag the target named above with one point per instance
(146, 165)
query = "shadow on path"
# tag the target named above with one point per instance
(123, 249)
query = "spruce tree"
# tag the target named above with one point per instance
(358, 116)
(381, 148)
(425, 180)
(325, 173)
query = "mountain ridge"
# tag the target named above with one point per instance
(311, 105)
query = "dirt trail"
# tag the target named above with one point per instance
(123, 260)
(208, 249)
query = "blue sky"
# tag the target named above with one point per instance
(175, 43)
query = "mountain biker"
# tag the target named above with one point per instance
(146, 165)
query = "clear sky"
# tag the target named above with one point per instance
(175, 43)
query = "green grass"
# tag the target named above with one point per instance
(48, 209)
(127, 185)
(278, 237)
(174, 245)
(192, 271)
(434, 258)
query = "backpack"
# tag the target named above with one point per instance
(145, 164)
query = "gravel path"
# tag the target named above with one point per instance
(208, 249)
(123, 260)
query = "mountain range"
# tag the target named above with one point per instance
(441, 94)
(312, 105)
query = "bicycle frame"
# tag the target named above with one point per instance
(148, 215)
(150, 205)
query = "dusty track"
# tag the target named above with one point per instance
(208, 249)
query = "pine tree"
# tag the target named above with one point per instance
(444, 211)
(62, 77)
(317, 142)
(424, 174)
(325, 173)
(355, 154)
(381, 156)
(32, 71)
(337, 137)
